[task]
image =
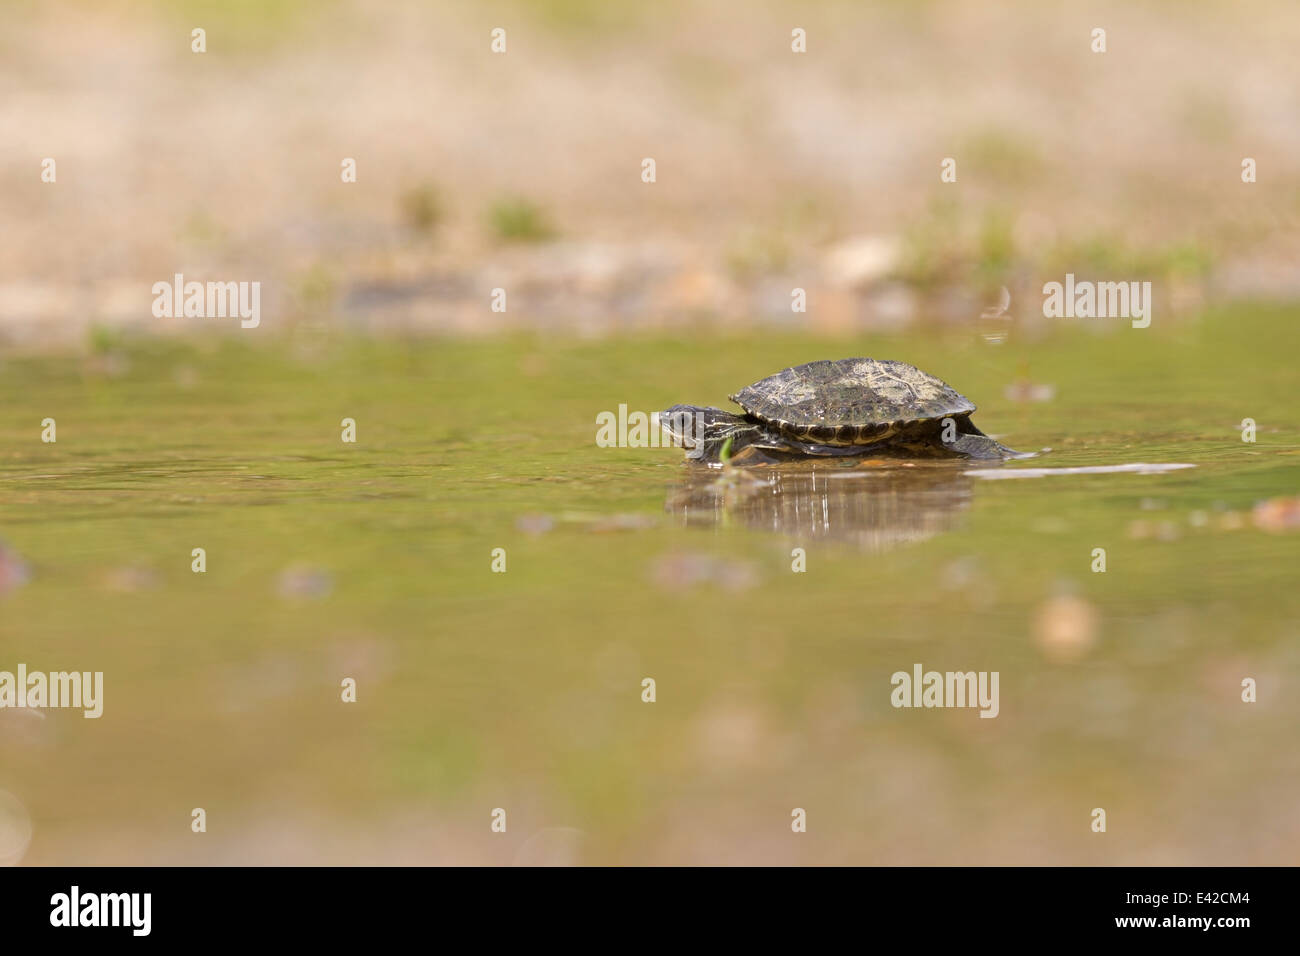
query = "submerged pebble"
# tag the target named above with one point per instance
(731, 735)
(1029, 392)
(624, 522)
(1065, 627)
(677, 571)
(1231, 521)
(14, 572)
(1277, 515)
(1160, 530)
(534, 523)
(959, 574)
(301, 581)
(130, 578)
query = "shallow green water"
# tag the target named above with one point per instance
(522, 690)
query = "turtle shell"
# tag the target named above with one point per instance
(854, 401)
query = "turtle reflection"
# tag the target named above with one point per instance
(875, 506)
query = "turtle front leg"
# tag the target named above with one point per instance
(973, 443)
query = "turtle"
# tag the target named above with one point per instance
(834, 408)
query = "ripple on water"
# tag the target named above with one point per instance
(1136, 468)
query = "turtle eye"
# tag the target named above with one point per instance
(680, 426)
(692, 428)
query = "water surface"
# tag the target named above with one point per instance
(522, 690)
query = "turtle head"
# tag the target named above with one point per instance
(685, 425)
(703, 431)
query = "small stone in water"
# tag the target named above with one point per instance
(678, 571)
(959, 574)
(1066, 627)
(625, 522)
(1138, 530)
(1277, 515)
(535, 524)
(1231, 521)
(1029, 392)
(131, 578)
(13, 571)
(304, 582)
